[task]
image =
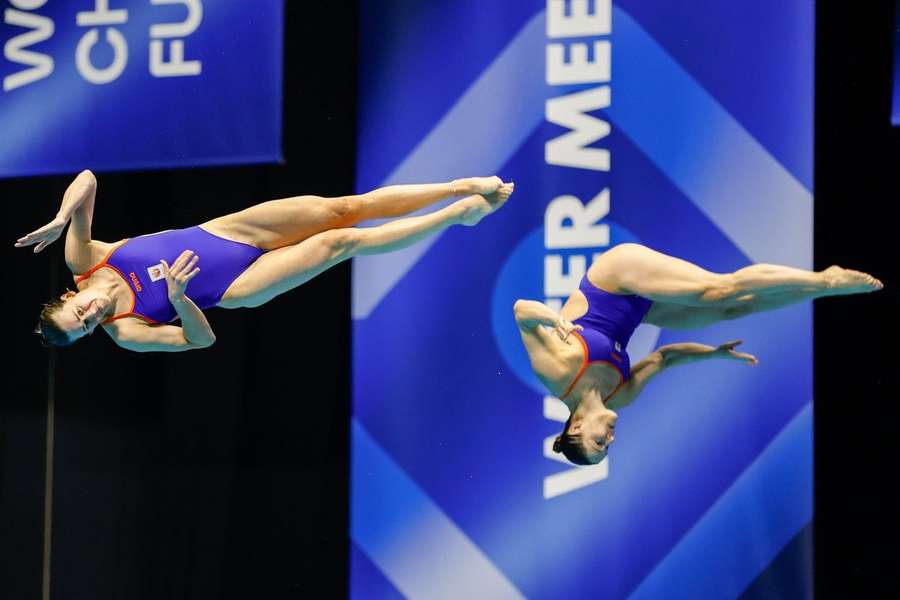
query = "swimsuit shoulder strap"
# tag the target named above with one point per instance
(105, 263)
(126, 315)
(586, 361)
(584, 365)
(99, 265)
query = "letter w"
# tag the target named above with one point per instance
(570, 149)
(41, 65)
(576, 477)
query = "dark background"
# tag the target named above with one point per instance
(214, 474)
(857, 387)
(224, 473)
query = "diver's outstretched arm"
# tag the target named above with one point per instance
(673, 355)
(77, 205)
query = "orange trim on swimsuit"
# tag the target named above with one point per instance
(104, 263)
(584, 365)
(99, 265)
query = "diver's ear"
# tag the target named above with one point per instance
(574, 427)
(67, 294)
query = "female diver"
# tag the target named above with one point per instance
(630, 284)
(136, 287)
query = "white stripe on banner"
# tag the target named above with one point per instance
(689, 136)
(410, 539)
(707, 153)
(743, 526)
(478, 136)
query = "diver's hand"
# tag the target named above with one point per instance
(44, 236)
(727, 350)
(564, 329)
(180, 274)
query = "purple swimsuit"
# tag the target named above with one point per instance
(138, 262)
(608, 324)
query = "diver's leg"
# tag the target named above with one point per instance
(279, 223)
(682, 317)
(635, 269)
(283, 269)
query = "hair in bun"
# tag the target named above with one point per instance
(557, 444)
(571, 447)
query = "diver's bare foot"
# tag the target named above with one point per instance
(847, 281)
(476, 185)
(475, 208)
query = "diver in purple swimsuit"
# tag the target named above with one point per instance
(137, 288)
(136, 261)
(579, 353)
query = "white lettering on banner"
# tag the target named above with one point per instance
(41, 28)
(556, 281)
(166, 43)
(83, 57)
(579, 69)
(573, 479)
(578, 23)
(176, 66)
(569, 111)
(101, 16)
(28, 4)
(570, 224)
(585, 232)
(571, 149)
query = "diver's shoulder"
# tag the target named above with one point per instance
(91, 254)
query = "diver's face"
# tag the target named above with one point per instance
(597, 433)
(81, 313)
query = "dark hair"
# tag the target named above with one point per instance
(48, 329)
(571, 446)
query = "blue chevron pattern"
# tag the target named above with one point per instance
(711, 474)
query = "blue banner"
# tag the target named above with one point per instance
(895, 101)
(682, 125)
(108, 84)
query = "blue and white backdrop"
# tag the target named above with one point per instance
(115, 84)
(685, 125)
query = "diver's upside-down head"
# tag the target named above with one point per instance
(585, 439)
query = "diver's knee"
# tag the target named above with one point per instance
(719, 288)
